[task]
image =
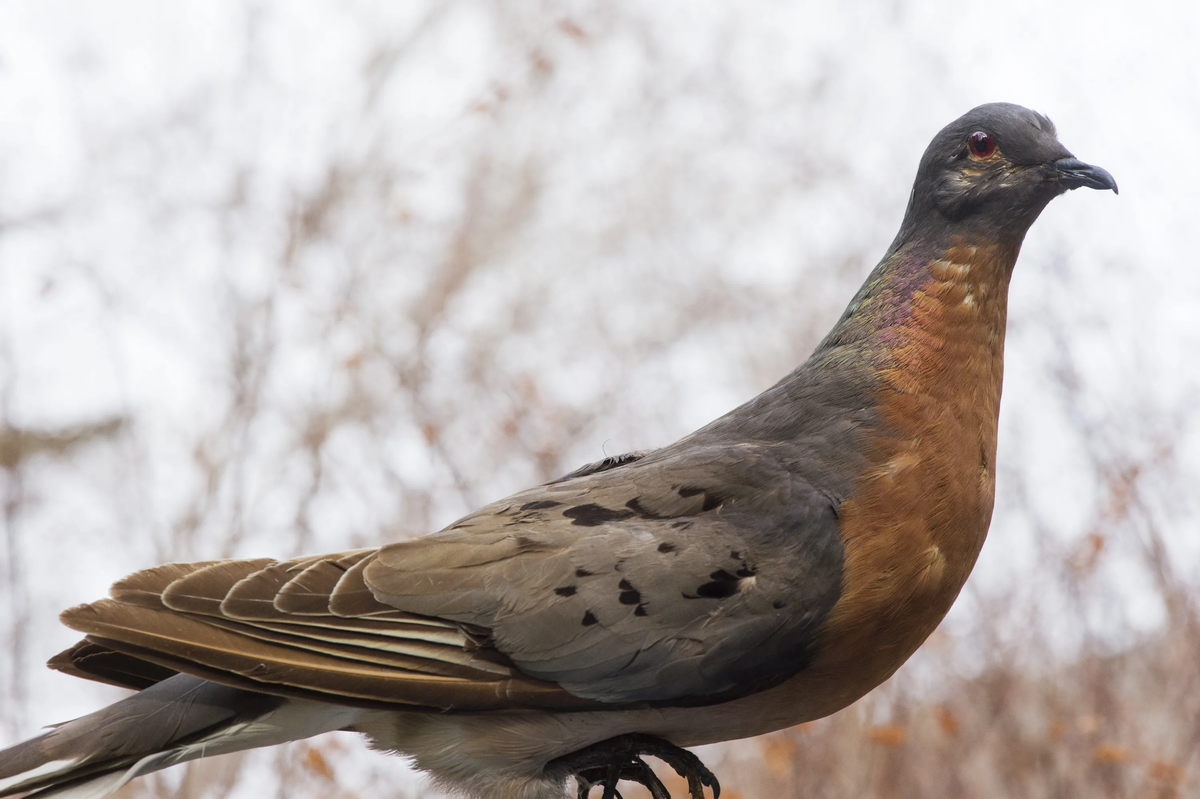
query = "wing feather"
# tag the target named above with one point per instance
(277, 662)
(676, 576)
(308, 592)
(352, 598)
(723, 560)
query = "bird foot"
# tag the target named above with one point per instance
(620, 758)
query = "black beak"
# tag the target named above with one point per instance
(1074, 173)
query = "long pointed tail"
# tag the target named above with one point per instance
(179, 719)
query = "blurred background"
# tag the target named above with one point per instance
(280, 278)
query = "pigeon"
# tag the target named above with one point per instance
(768, 569)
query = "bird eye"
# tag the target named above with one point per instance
(981, 145)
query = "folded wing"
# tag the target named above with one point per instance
(658, 579)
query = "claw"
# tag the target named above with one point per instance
(648, 778)
(620, 758)
(610, 782)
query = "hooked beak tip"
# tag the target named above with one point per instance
(1073, 173)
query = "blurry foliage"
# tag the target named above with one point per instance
(513, 238)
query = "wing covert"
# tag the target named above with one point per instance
(662, 580)
(684, 578)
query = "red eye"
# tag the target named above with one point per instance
(981, 144)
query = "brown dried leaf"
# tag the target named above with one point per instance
(779, 753)
(887, 734)
(1111, 753)
(1165, 771)
(947, 720)
(315, 762)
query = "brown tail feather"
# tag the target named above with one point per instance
(94, 662)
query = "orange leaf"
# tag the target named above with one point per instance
(1163, 771)
(315, 762)
(1111, 753)
(887, 734)
(947, 720)
(778, 752)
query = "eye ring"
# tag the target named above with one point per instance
(980, 145)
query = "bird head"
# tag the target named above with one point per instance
(992, 171)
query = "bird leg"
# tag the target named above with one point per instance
(620, 758)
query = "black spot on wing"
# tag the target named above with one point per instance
(593, 515)
(640, 610)
(566, 590)
(716, 590)
(584, 573)
(711, 498)
(589, 619)
(721, 584)
(635, 505)
(666, 547)
(540, 504)
(629, 595)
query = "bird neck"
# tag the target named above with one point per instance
(923, 303)
(928, 322)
